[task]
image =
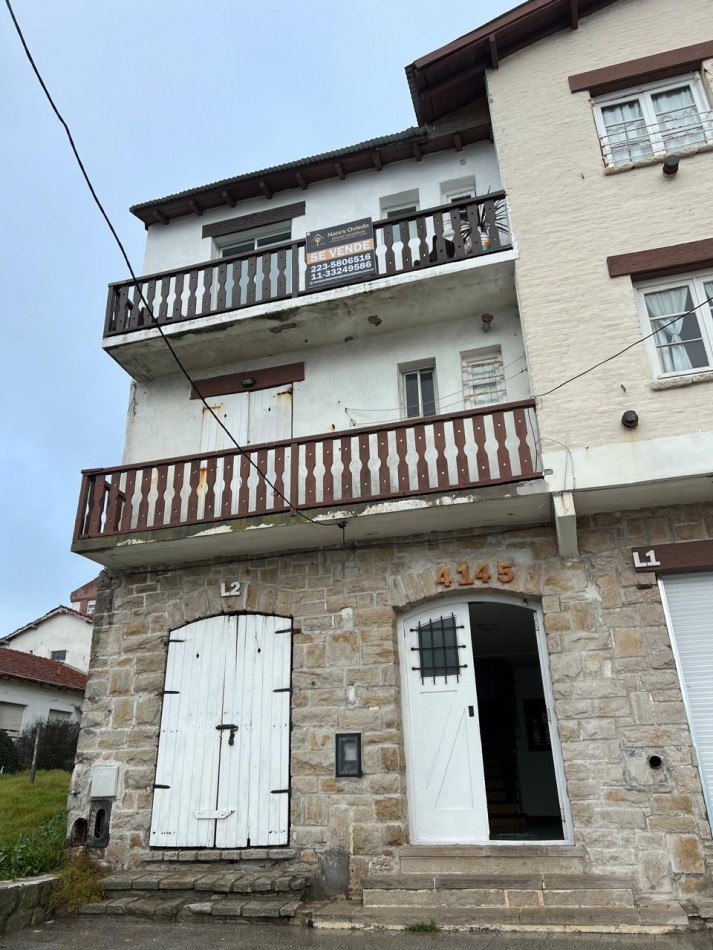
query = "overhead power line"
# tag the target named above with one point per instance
(137, 283)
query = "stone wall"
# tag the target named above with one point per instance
(23, 903)
(617, 697)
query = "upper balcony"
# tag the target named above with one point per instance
(251, 301)
(474, 468)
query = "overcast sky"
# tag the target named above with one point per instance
(161, 95)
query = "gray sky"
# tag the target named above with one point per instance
(161, 95)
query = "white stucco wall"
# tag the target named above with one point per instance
(568, 216)
(38, 700)
(330, 202)
(361, 377)
(61, 632)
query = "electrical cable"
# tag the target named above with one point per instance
(681, 316)
(137, 283)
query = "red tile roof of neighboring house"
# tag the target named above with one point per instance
(37, 669)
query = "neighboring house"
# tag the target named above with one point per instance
(62, 634)
(34, 689)
(445, 611)
(84, 598)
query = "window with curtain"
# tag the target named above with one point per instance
(653, 119)
(680, 311)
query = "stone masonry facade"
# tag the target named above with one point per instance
(617, 695)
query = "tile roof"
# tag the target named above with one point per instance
(56, 611)
(37, 669)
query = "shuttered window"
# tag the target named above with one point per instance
(483, 380)
(11, 717)
(689, 598)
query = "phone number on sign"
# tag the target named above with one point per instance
(350, 265)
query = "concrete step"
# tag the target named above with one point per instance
(199, 891)
(340, 915)
(449, 890)
(491, 859)
(215, 856)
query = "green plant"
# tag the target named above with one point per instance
(424, 928)
(79, 883)
(37, 851)
(9, 761)
(57, 746)
(24, 807)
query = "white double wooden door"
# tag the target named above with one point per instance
(222, 774)
(445, 763)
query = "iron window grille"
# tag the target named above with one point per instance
(438, 648)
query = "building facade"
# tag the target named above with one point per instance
(389, 592)
(62, 634)
(34, 689)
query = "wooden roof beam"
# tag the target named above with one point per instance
(494, 59)
(574, 14)
(376, 158)
(265, 188)
(340, 171)
(457, 142)
(299, 178)
(228, 198)
(160, 216)
(193, 205)
(416, 151)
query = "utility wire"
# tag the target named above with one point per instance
(608, 359)
(137, 283)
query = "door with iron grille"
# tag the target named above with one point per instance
(447, 797)
(222, 774)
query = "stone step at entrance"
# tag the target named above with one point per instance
(498, 891)
(489, 860)
(661, 918)
(197, 892)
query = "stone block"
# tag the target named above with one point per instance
(655, 870)
(627, 641)
(686, 854)
(388, 809)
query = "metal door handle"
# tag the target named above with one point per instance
(233, 729)
(471, 712)
(228, 725)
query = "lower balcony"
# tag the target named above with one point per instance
(475, 468)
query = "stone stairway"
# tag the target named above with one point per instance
(471, 888)
(199, 891)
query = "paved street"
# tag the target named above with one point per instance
(113, 933)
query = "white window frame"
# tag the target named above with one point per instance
(407, 370)
(260, 238)
(643, 93)
(491, 355)
(58, 659)
(695, 282)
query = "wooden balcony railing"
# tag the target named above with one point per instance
(468, 449)
(452, 232)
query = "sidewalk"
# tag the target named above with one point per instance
(96, 933)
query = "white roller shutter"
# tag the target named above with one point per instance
(689, 602)
(11, 718)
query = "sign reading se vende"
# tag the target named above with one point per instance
(340, 254)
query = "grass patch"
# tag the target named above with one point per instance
(24, 807)
(79, 883)
(430, 928)
(36, 852)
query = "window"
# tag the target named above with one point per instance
(11, 718)
(653, 119)
(255, 240)
(419, 391)
(483, 379)
(394, 206)
(683, 342)
(91, 606)
(58, 715)
(60, 655)
(438, 648)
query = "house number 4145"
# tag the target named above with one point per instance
(503, 572)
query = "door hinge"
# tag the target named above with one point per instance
(176, 641)
(279, 791)
(172, 692)
(287, 630)
(283, 689)
(162, 786)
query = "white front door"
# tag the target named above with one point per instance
(222, 774)
(445, 762)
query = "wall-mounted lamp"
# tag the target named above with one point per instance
(247, 381)
(630, 419)
(348, 754)
(670, 165)
(487, 319)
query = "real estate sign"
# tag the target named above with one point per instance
(340, 254)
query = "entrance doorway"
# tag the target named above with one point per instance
(484, 764)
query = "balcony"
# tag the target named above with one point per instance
(241, 298)
(406, 477)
